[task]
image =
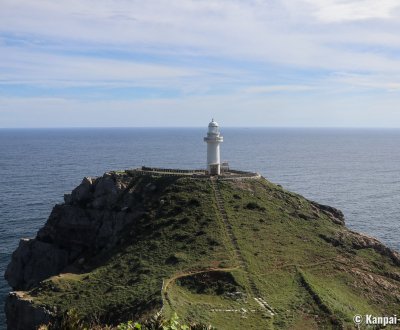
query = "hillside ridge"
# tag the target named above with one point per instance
(235, 251)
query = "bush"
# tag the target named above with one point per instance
(254, 206)
(157, 322)
(194, 202)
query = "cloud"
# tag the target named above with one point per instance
(286, 32)
(278, 88)
(272, 31)
(231, 110)
(368, 81)
(261, 51)
(39, 66)
(352, 10)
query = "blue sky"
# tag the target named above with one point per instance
(112, 63)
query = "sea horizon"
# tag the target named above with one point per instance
(202, 127)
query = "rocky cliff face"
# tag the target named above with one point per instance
(22, 314)
(127, 244)
(90, 220)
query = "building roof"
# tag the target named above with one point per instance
(213, 123)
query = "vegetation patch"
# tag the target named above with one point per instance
(212, 283)
(254, 206)
(176, 258)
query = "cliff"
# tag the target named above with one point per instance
(236, 253)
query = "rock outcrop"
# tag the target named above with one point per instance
(90, 220)
(34, 261)
(334, 214)
(360, 241)
(22, 314)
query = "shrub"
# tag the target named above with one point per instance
(157, 322)
(254, 206)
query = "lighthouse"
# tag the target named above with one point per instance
(213, 139)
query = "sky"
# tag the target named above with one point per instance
(175, 63)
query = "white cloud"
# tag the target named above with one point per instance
(232, 110)
(40, 68)
(368, 81)
(256, 30)
(259, 50)
(278, 88)
(353, 10)
(283, 32)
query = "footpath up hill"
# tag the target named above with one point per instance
(236, 254)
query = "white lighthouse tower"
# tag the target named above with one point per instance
(213, 140)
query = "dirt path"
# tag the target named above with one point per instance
(255, 292)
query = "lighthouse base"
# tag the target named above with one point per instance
(214, 169)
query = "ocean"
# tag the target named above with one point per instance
(355, 170)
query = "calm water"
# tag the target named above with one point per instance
(357, 171)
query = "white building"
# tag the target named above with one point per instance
(213, 140)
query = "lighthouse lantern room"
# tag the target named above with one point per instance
(213, 139)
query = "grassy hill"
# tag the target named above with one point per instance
(237, 254)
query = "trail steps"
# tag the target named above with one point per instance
(255, 292)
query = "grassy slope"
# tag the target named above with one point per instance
(309, 282)
(291, 262)
(174, 236)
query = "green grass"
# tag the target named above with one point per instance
(222, 311)
(179, 234)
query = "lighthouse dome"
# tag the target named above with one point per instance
(213, 123)
(213, 128)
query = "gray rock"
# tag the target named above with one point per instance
(34, 261)
(23, 315)
(99, 203)
(106, 185)
(84, 192)
(334, 214)
(362, 241)
(67, 198)
(70, 227)
(150, 187)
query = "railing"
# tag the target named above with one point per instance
(195, 174)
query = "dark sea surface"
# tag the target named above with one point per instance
(355, 170)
